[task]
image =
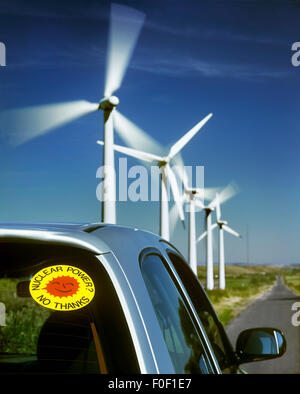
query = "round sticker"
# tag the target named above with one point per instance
(62, 288)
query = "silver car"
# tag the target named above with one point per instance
(98, 298)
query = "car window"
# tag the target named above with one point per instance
(181, 337)
(210, 321)
(78, 337)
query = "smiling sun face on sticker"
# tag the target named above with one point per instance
(63, 286)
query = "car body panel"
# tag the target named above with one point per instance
(119, 249)
(68, 235)
(134, 242)
(149, 344)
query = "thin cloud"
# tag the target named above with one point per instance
(227, 35)
(148, 60)
(214, 34)
(184, 66)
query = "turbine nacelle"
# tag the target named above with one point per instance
(208, 209)
(108, 103)
(194, 191)
(162, 163)
(221, 223)
(195, 194)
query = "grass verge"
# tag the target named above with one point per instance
(244, 284)
(291, 278)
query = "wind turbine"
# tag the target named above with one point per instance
(167, 174)
(228, 192)
(25, 124)
(193, 197)
(223, 226)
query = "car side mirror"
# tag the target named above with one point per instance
(256, 344)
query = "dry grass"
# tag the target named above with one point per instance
(244, 284)
(292, 278)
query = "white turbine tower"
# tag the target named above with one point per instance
(167, 174)
(194, 198)
(125, 26)
(223, 226)
(228, 192)
(209, 245)
(25, 124)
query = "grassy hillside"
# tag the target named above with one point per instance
(244, 284)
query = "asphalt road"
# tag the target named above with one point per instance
(273, 309)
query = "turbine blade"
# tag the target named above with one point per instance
(124, 30)
(24, 124)
(173, 218)
(202, 194)
(187, 137)
(231, 231)
(213, 226)
(175, 191)
(135, 137)
(199, 193)
(228, 192)
(204, 234)
(181, 171)
(207, 193)
(218, 208)
(144, 156)
(199, 203)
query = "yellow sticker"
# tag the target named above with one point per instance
(62, 288)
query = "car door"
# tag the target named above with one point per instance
(184, 336)
(75, 335)
(204, 309)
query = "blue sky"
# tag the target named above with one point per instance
(231, 58)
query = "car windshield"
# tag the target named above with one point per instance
(85, 330)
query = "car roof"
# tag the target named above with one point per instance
(47, 226)
(96, 237)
